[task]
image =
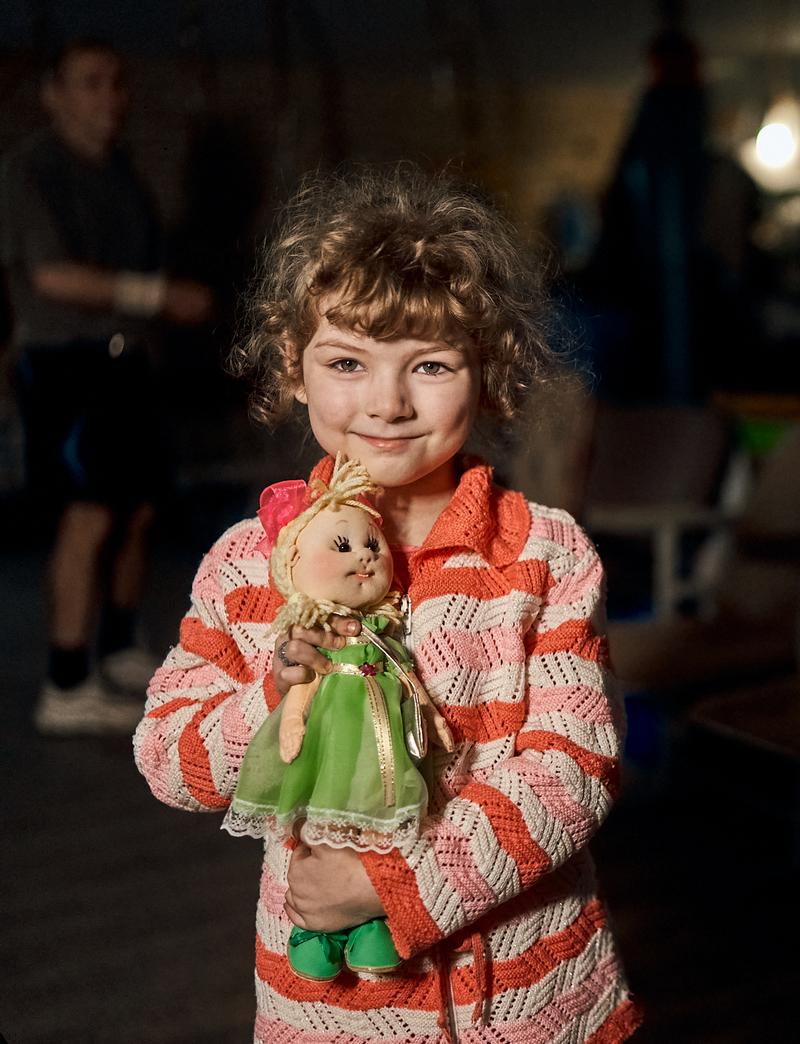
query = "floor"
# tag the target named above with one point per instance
(125, 921)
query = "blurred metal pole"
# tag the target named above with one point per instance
(333, 138)
(282, 110)
(193, 40)
(454, 31)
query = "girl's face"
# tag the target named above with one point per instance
(403, 407)
(343, 556)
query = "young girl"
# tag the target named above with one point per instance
(398, 309)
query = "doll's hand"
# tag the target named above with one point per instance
(301, 651)
(438, 729)
(290, 738)
(329, 889)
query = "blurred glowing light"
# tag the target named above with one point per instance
(776, 145)
(772, 157)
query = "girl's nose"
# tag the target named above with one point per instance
(388, 399)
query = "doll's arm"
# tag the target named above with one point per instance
(438, 728)
(293, 718)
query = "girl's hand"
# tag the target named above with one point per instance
(329, 889)
(301, 661)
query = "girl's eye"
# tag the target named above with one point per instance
(432, 368)
(373, 545)
(345, 365)
(342, 544)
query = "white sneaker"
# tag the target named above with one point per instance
(86, 709)
(129, 670)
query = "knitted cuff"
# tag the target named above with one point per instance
(412, 927)
(139, 294)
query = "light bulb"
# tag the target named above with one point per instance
(776, 145)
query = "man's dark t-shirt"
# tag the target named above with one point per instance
(56, 206)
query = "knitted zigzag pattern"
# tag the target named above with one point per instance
(494, 905)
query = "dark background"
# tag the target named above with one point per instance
(126, 921)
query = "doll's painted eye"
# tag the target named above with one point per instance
(373, 545)
(342, 543)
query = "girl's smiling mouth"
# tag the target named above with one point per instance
(387, 442)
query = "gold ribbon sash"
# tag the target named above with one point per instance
(380, 722)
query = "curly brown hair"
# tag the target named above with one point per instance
(399, 254)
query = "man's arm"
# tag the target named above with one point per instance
(140, 294)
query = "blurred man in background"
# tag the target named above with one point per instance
(81, 245)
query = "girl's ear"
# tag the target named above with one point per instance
(300, 394)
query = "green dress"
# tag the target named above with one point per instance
(353, 784)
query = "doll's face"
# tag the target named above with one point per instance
(343, 556)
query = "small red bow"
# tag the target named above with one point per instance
(369, 669)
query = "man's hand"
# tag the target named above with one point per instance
(329, 889)
(300, 648)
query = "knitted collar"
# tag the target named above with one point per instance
(481, 517)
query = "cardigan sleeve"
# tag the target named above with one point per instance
(211, 693)
(542, 803)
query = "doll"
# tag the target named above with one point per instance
(333, 759)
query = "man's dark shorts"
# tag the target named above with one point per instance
(91, 424)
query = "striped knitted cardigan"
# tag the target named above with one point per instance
(494, 907)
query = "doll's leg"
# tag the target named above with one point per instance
(370, 947)
(316, 955)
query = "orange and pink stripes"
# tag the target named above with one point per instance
(508, 642)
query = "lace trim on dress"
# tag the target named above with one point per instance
(323, 826)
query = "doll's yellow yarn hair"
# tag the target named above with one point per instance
(349, 481)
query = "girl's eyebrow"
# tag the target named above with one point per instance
(342, 346)
(440, 346)
(425, 349)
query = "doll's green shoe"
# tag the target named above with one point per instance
(316, 955)
(370, 947)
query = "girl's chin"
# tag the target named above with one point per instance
(397, 469)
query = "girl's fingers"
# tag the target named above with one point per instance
(289, 676)
(300, 652)
(297, 658)
(294, 916)
(345, 625)
(322, 639)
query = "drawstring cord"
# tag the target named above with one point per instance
(480, 967)
(479, 964)
(443, 1018)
